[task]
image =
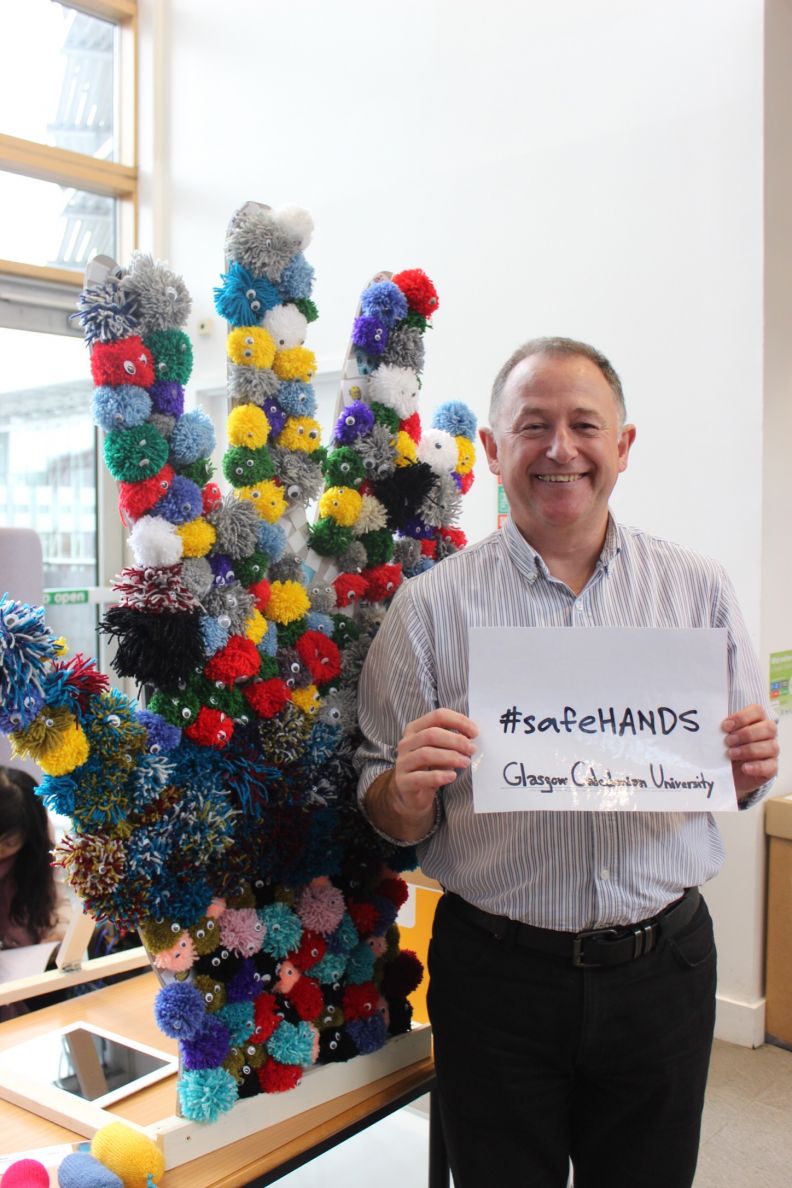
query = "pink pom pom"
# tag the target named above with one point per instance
(26, 1173)
(320, 907)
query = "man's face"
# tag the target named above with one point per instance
(558, 446)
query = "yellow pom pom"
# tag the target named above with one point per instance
(308, 700)
(342, 504)
(288, 601)
(406, 449)
(131, 1155)
(248, 426)
(198, 536)
(255, 626)
(301, 433)
(268, 498)
(295, 363)
(251, 346)
(466, 455)
(54, 739)
(60, 646)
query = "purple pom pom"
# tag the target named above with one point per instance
(182, 502)
(209, 1046)
(245, 985)
(370, 335)
(417, 529)
(275, 415)
(355, 421)
(179, 1010)
(167, 397)
(161, 736)
(368, 1035)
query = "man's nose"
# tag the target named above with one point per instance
(562, 446)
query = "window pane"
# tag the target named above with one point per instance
(48, 467)
(44, 223)
(57, 82)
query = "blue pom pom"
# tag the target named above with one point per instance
(243, 299)
(152, 775)
(181, 503)
(345, 937)
(456, 418)
(297, 399)
(368, 1035)
(272, 540)
(282, 929)
(179, 1010)
(360, 966)
(208, 1046)
(292, 1043)
(58, 793)
(384, 301)
(161, 736)
(193, 437)
(80, 1169)
(296, 279)
(206, 1093)
(318, 621)
(27, 646)
(213, 634)
(330, 969)
(355, 421)
(120, 408)
(268, 645)
(238, 1018)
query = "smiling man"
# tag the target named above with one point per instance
(572, 964)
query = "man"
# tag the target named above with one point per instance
(552, 1044)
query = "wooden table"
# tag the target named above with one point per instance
(259, 1159)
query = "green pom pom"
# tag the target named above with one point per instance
(344, 467)
(269, 668)
(385, 416)
(416, 320)
(329, 539)
(180, 708)
(378, 546)
(251, 569)
(319, 456)
(134, 454)
(216, 695)
(291, 632)
(344, 630)
(173, 355)
(199, 472)
(307, 308)
(243, 467)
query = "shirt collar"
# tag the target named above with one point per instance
(531, 564)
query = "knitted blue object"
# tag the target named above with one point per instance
(26, 647)
(179, 1010)
(243, 299)
(296, 279)
(292, 1043)
(121, 407)
(283, 929)
(297, 399)
(193, 437)
(205, 1093)
(456, 418)
(384, 301)
(83, 1170)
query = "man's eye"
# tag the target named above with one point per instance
(586, 427)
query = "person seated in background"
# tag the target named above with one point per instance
(33, 905)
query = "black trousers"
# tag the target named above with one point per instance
(539, 1062)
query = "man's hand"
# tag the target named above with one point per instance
(431, 753)
(752, 747)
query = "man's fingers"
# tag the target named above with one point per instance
(445, 719)
(754, 750)
(427, 757)
(438, 739)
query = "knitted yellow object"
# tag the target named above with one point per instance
(342, 504)
(251, 345)
(301, 433)
(54, 739)
(248, 426)
(406, 449)
(466, 455)
(295, 363)
(255, 626)
(307, 699)
(287, 602)
(128, 1153)
(267, 497)
(198, 536)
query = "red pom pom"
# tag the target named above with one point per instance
(455, 535)
(366, 488)
(307, 999)
(412, 427)
(211, 497)
(26, 1173)
(211, 728)
(320, 656)
(135, 499)
(277, 1078)
(429, 548)
(418, 289)
(395, 889)
(382, 582)
(265, 1018)
(364, 916)
(349, 588)
(402, 975)
(237, 660)
(466, 481)
(261, 592)
(313, 947)
(126, 361)
(267, 698)
(360, 1002)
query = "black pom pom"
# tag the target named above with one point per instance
(403, 492)
(154, 649)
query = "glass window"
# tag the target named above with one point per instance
(62, 90)
(48, 478)
(52, 225)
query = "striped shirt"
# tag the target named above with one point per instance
(560, 870)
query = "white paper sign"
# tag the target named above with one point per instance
(604, 718)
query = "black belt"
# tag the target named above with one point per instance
(596, 946)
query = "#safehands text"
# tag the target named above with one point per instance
(663, 720)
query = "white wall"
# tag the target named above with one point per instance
(584, 169)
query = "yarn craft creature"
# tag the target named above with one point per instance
(220, 820)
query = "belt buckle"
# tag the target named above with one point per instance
(578, 957)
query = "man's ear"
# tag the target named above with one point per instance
(626, 439)
(487, 439)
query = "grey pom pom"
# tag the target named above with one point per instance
(369, 620)
(443, 503)
(162, 423)
(340, 707)
(288, 569)
(163, 302)
(377, 452)
(354, 559)
(323, 597)
(197, 576)
(262, 245)
(406, 552)
(405, 348)
(251, 385)
(300, 476)
(231, 605)
(236, 523)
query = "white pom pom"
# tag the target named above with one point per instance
(286, 325)
(395, 387)
(439, 450)
(296, 222)
(155, 542)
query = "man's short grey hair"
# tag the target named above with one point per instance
(563, 347)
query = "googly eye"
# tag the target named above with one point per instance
(200, 934)
(292, 491)
(333, 1045)
(208, 997)
(186, 713)
(155, 749)
(349, 421)
(249, 339)
(175, 928)
(246, 1070)
(255, 306)
(215, 962)
(250, 294)
(129, 367)
(210, 925)
(239, 470)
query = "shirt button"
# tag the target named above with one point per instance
(605, 874)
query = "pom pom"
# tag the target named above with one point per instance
(300, 433)
(297, 399)
(279, 1078)
(282, 929)
(208, 1047)
(179, 1010)
(307, 307)
(161, 737)
(320, 656)
(27, 646)
(127, 361)
(297, 278)
(402, 975)
(405, 348)
(120, 408)
(466, 455)
(370, 335)
(236, 661)
(237, 527)
(267, 698)
(272, 540)
(260, 244)
(243, 466)
(172, 353)
(406, 450)
(81, 1170)
(341, 504)
(26, 1173)
(211, 728)
(387, 416)
(242, 298)
(248, 426)
(204, 1094)
(137, 453)
(355, 421)
(418, 289)
(137, 498)
(438, 449)
(105, 312)
(133, 1156)
(288, 602)
(295, 363)
(55, 740)
(320, 907)
(197, 537)
(162, 298)
(403, 492)
(193, 438)
(267, 498)
(297, 224)
(344, 467)
(349, 588)
(396, 388)
(286, 326)
(455, 418)
(242, 931)
(385, 301)
(251, 346)
(182, 502)
(292, 1044)
(360, 1002)
(155, 542)
(382, 582)
(167, 397)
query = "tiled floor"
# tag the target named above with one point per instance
(746, 1138)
